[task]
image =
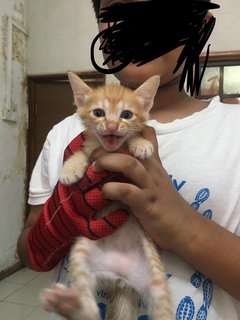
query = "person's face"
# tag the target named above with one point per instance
(132, 75)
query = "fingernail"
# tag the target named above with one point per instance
(94, 166)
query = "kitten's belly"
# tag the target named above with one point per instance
(115, 261)
(121, 256)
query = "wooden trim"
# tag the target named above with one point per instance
(221, 55)
(63, 76)
(7, 272)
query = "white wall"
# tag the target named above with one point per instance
(13, 134)
(226, 35)
(60, 32)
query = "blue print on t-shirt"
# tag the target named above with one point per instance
(196, 279)
(208, 214)
(186, 309)
(207, 292)
(102, 309)
(202, 313)
(201, 197)
(177, 185)
(207, 300)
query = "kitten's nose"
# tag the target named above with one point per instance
(112, 126)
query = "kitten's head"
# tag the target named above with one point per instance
(113, 113)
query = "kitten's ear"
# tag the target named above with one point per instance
(80, 89)
(148, 90)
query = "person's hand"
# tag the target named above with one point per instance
(151, 196)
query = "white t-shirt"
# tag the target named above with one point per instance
(201, 154)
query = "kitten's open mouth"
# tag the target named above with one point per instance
(112, 142)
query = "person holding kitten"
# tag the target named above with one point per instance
(186, 196)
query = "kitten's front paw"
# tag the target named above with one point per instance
(73, 169)
(71, 175)
(141, 148)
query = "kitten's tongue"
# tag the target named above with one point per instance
(111, 142)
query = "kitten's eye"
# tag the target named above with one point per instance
(99, 113)
(126, 115)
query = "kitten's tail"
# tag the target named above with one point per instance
(123, 304)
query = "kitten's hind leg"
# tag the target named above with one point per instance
(83, 280)
(61, 300)
(160, 306)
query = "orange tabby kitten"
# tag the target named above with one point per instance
(126, 263)
(112, 115)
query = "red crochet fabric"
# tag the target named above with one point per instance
(69, 212)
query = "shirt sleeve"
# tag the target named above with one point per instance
(46, 172)
(39, 187)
